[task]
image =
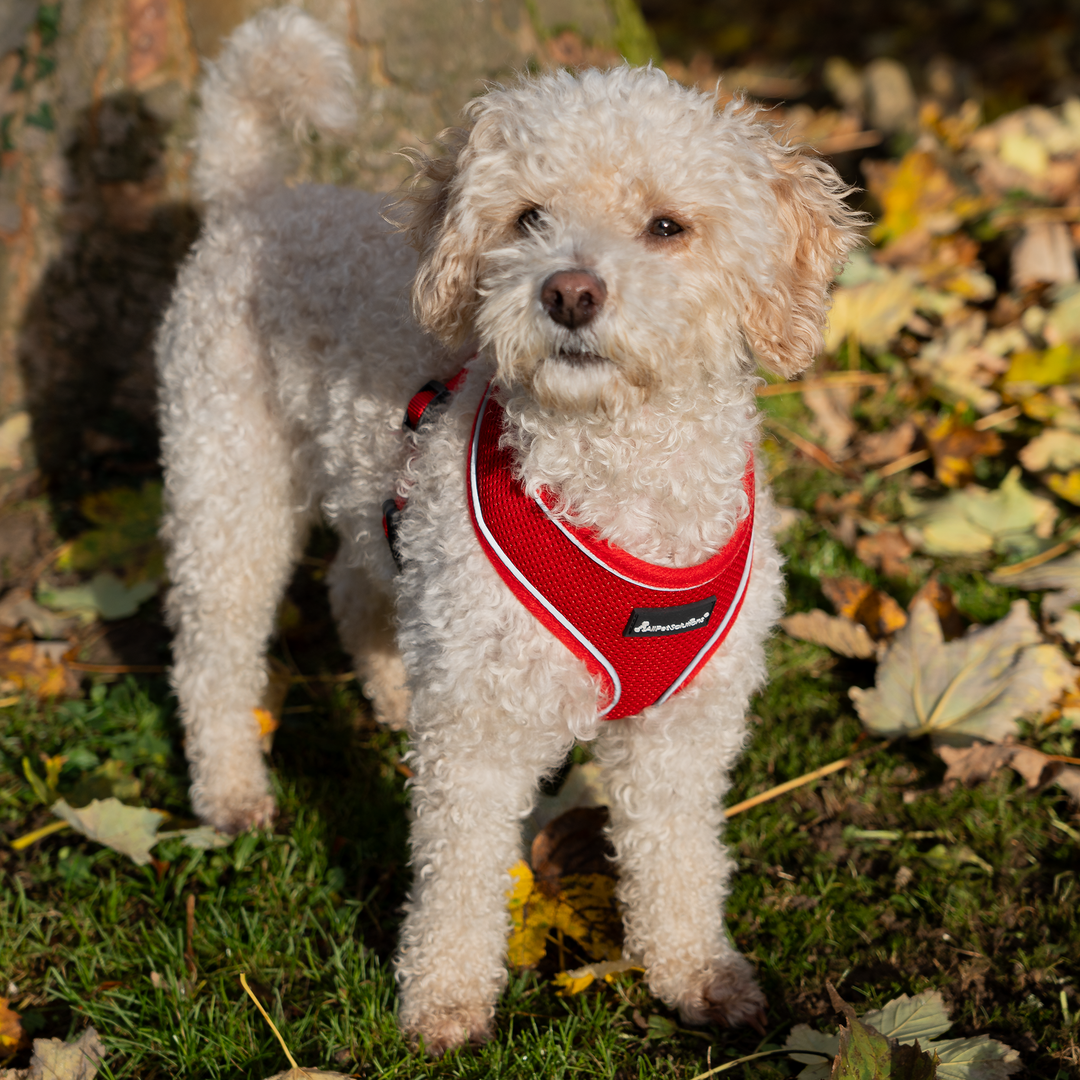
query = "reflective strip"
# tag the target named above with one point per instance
(720, 630)
(475, 493)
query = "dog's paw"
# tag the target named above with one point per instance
(448, 1028)
(726, 994)
(234, 808)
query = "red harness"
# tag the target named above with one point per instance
(644, 630)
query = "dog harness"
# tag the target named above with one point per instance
(644, 630)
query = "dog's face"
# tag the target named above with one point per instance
(611, 236)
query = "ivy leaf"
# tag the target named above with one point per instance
(977, 686)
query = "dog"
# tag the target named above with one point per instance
(597, 262)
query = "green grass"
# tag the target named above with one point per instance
(310, 911)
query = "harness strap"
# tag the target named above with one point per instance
(423, 407)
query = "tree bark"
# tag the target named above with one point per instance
(97, 105)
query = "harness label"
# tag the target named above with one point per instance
(658, 621)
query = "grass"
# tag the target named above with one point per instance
(876, 879)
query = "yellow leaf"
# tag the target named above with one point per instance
(1049, 367)
(584, 910)
(570, 984)
(917, 193)
(268, 724)
(531, 915)
(1067, 486)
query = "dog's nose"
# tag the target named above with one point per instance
(573, 298)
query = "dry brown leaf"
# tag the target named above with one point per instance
(54, 1059)
(1052, 449)
(884, 447)
(35, 667)
(940, 596)
(841, 635)
(831, 407)
(973, 764)
(887, 551)
(12, 1036)
(976, 687)
(956, 445)
(573, 843)
(862, 603)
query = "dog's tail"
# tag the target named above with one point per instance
(279, 72)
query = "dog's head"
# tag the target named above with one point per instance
(607, 236)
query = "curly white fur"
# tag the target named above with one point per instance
(286, 360)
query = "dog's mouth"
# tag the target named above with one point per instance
(580, 357)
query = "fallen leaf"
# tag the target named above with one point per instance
(12, 1036)
(573, 843)
(584, 910)
(940, 596)
(901, 1022)
(865, 1054)
(1044, 254)
(862, 603)
(54, 1059)
(978, 1058)
(301, 1073)
(1068, 486)
(126, 536)
(1052, 449)
(884, 447)
(955, 446)
(573, 982)
(1061, 573)
(838, 634)
(1033, 368)
(887, 550)
(961, 365)
(917, 196)
(948, 859)
(131, 830)
(105, 595)
(35, 667)
(973, 764)
(906, 1019)
(975, 687)
(18, 608)
(974, 521)
(873, 312)
(831, 407)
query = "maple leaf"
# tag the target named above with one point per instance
(974, 521)
(975, 687)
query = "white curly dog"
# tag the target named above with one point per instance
(610, 255)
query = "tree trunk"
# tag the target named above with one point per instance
(97, 104)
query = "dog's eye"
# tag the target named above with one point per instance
(529, 219)
(665, 226)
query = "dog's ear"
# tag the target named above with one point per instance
(784, 322)
(444, 289)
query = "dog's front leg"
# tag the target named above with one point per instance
(666, 771)
(475, 780)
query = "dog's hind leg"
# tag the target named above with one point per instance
(233, 530)
(364, 614)
(666, 771)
